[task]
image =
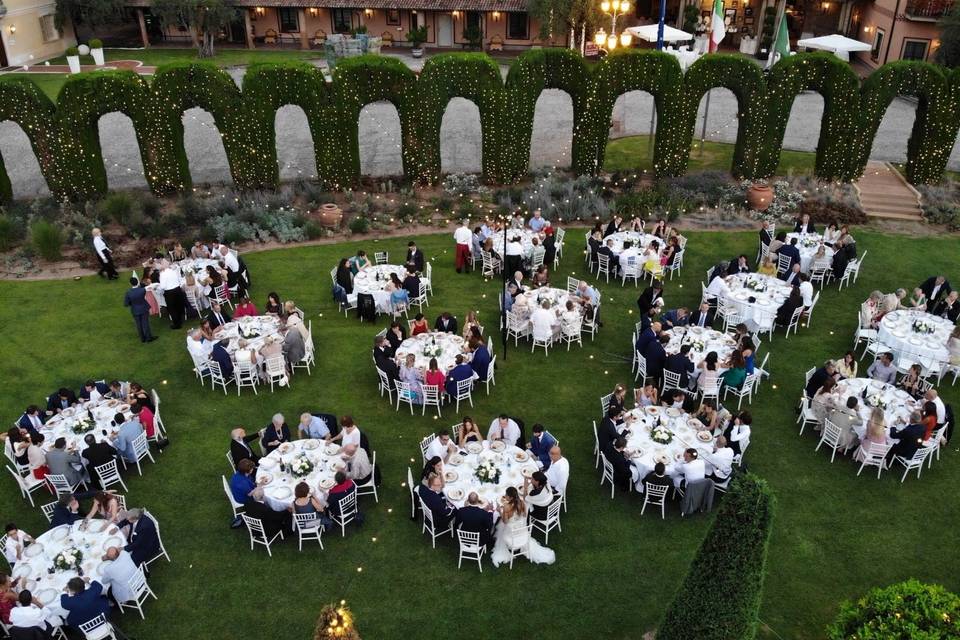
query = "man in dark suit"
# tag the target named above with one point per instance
(935, 288)
(446, 323)
(607, 250)
(909, 439)
(647, 335)
(411, 283)
(765, 235)
(819, 377)
(221, 357)
(702, 317)
(844, 254)
(648, 299)
(136, 299)
(217, 316)
(740, 265)
(60, 400)
(792, 251)
(476, 519)
(792, 275)
(381, 356)
(480, 362)
(143, 541)
(84, 603)
(86, 391)
(656, 356)
(682, 364)
(414, 257)
(948, 308)
(96, 454)
(67, 509)
(461, 371)
(440, 508)
(622, 468)
(803, 225)
(273, 521)
(609, 429)
(675, 318)
(31, 420)
(240, 447)
(540, 445)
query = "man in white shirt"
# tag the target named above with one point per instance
(883, 370)
(504, 428)
(588, 293)
(542, 321)
(233, 270)
(16, 540)
(559, 472)
(717, 287)
(173, 296)
(441, 447)
(198, 346)
(104, 256)
(116, 571)
(537, 494)
(462, 237)
(932, 396)
(629, 252)
(721, 462)
(517, 221)
(537, 222)
(806, 290)
(312, 426)
(30, 613)
(690, 470)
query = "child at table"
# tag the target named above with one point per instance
(767, 267)
(918, 300)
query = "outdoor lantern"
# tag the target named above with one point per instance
(625, 39)
(600, 37)
(624, 7)
(611, 42)
(605, 6)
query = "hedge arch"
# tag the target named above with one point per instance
(745, 80)
(269, 86)
(181, 86)
(83, 100)
(531, 73)
(655, 72)
(358, 82)
(934, 128)
(836, 82)
(26, 105)
(475, 77)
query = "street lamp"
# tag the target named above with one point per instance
(614, 9)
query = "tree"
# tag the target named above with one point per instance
(92, 13)
(204, 19)
(949, 52)
(564, 16)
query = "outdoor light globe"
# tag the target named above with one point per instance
(605, 6)
(611, 42)
(83, 49)
(624, 7)
(600, 37)
(625, 39)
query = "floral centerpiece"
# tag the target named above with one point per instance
(301, 466)
(877, 400)
(808, 241)
(487, 472)
(432, 350)
(249, 332)
(755, 285)
(922, 326)
(697, 345)
(661, 435)
(68, 559)
(83, 426)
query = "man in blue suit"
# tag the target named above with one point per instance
(648, 335)
(476, 519)
(143, 542)
(481, 361)
(656, 356)
(440, 508)
(31, 420)
(88, 388)
(462, 371)
(675, 318)
(83, 603)
(221, 357)
(792, 251)
(136, 299)
(540, 445)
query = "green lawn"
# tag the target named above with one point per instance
(636, 152)
(155, 56)
(836, 535)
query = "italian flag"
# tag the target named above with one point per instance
(717, 28)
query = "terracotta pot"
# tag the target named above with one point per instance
(760, 196)
(330, 215)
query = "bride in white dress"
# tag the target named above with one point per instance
(512, 533)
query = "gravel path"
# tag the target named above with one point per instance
(459, 133)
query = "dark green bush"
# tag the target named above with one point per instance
(150, 205)
(11, 232)
(407, 211)
(359, 224)
(719, 599)
(46, 239)
(119, 206)
(312, 230)
(908, 609)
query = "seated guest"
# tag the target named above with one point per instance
(657, 477)
(721, 460)
(910, 382)
(217, 317)
(702, 317)
(618, 397)
(681, 363)
(433, 375)
(294, 347)
(717, 287)
(740, 265)
(273, 521)
(847, 418)
(713, 417)
(242, 484)
(929, 420)
(767, 266)
(847, 367)
(656, 356)
(305, 503)
(129, 430)
(624, 472)
(469, 432)
(446, 323)
(30, 615)
(918, 300)
(480, 360)
(537, 494)
(908, 439)
(419, 325)
(948, 308)
(84, 603)
(675, 318)
(93, 390)
(312, 426)
(646, 397)
(882, 369)
(558, 473)
(737, 432)
(935, 288)
(461, 371)
(651, 297)
(344, 275)
(537, 222)
(138, 394)
(828, 370)
(691, 469)
(239, 447)
(476, 519)
(824, 400)
(358, 464)
(106, 505)
(396, 334)
(275, 434)
(433, 499)
(609, 429)
(793, 275)
(541, 277)
(16, 542)
(36, 458)
(118, 570)
(144, 416)
(540, 445)
(803, 225)
(442, 446)
(432, 467)
(63, 462)
(359, 262)
(220, 355)
(932, 396)
(786, 310)
(62, 399)
(892, 301)
(273, 307)
(778, 241)
(870, 313)
(246, 309)
(647, 335)
(383, 357)
(143, 542)
(792, 251)
(32, 419)
(504, 428)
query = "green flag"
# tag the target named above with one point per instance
(782, 44)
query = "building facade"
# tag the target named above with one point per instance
(898, 29)
(28, 32)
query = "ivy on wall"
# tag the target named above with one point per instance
(65, 137)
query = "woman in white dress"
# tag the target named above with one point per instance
(512, 533)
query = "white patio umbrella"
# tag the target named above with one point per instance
(648, 32)
(838, 45)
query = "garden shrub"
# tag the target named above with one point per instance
(46, 239)
(941, 204)
(312, 230)
(701, 188)
(119, 207)
(719, 599)
(359, 224)
(908, 609)
(11, 231)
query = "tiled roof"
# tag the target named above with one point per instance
(420, 5)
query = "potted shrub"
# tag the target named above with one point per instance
(73, 59)
(474, 36)
(96, 50)
(417, 36)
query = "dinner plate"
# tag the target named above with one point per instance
(652, 410)
(498, 446)
(673, 412)
(696, 424)
(310, 445)
(21, 570)
(338, 465)
(266, 477)
(526, 472)
(112, 403)
(268, 463)
(455, 459)
(520, 456)
(474, 447)
(696, 330)
(916, 341)
(454, 493)
(332, 449)
(113, 541)
(327, 484)
(97, 526)
(281, 493)
(67, 412)
(763, 302)
(286, 447)
(450, 476)
(33, 550)
(59, 534)
(662, 458)
(704, 436)
(124, 407)
(46, 596)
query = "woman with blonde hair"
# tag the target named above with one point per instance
(876, 433)
(468, 324)
(767, 267)
(619, 394)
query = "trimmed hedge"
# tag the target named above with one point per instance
(66, 140)
(908, 609)
(719, 599)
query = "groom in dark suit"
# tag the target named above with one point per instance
(136, 299)
(540, 445)
(476, 519)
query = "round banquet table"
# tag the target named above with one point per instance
(702, 341)
(639, 240)
(374, 280)
(645, 453)
(255, 332)
(897, 332)
(443, 346)
(279, 484)
(526, 239)
(34, 568)
(459, 473)
(526, 303)
(763, 310)
(196, 266)
(808, 244)
(62, 425)
(897, 403)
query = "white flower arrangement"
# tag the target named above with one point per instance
(488, 472)
(432, 350)
(697, 345)
(301, 466)
(83, 426)
(68, 559)
(876, 400)
(755, 285)
(807, 241)
(922, 326)
(661, 435)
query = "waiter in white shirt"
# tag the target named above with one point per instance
(559, 472)
(462, 237)
(173, 296)
(104, 255)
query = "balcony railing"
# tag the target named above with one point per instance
(928, 8)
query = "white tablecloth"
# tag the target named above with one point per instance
(61, 425)
(897, 403)
(197, 266)
(685, 58)
(254, 331)
(640, 240)
(278, 491)
(374, 280)
(525, 304)
(763, 311)
(526, 239)
(809, 244)
(92, 544)
(897, 332)
(442, 346)
(645, 453)
(702, 341)
(459, 472)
